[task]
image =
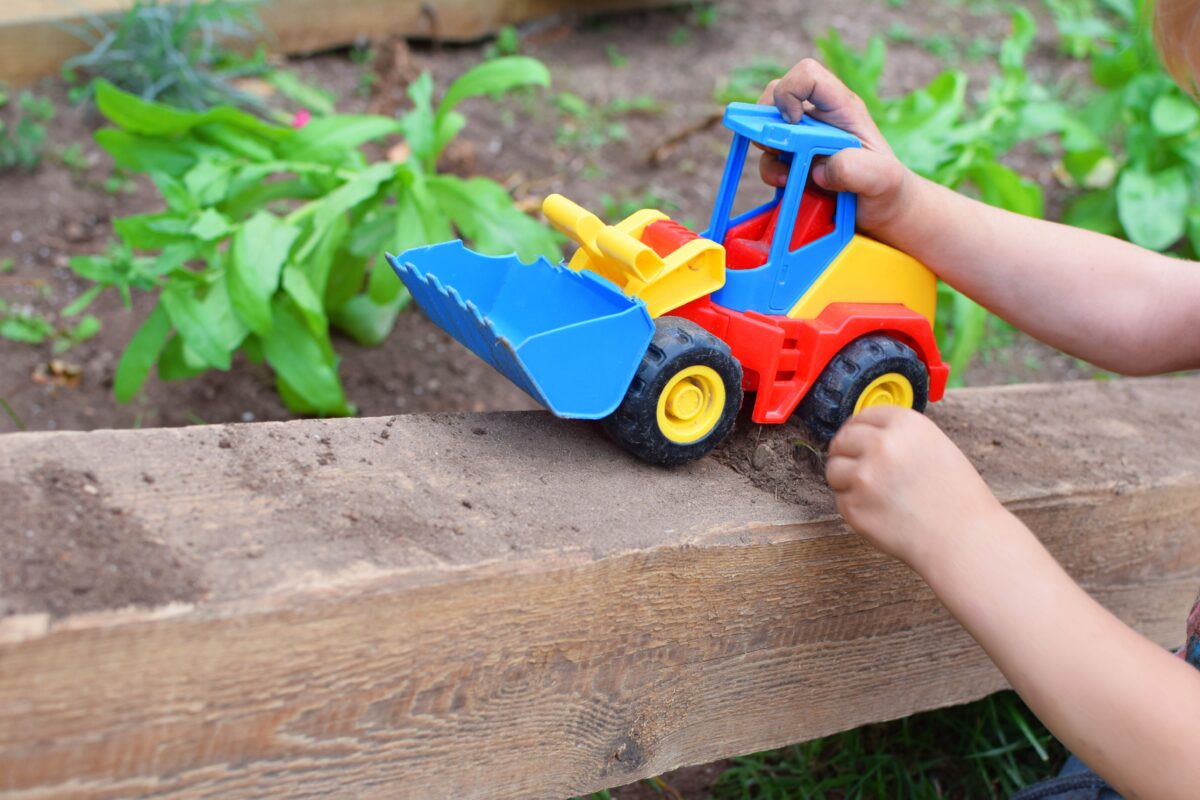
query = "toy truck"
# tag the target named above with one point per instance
(658, 331)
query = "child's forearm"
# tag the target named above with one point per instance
(1119, 306)
(1129, 709)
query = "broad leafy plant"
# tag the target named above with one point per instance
(272, 235)
(941, 134)
(1131, 143)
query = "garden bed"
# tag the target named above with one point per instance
(664, 61)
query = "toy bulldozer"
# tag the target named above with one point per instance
(658, 331)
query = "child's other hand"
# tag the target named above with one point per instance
(872, 172)
(901, 483)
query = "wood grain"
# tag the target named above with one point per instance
(506, 606)
(34, 43)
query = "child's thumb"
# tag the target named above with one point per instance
(857, 170)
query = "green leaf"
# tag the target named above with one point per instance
(335, 139)
(177, 362)
(141, 353)
(141, 116)
(301, 93)
(307, 301)
(27, 328)
(1172, 115)
(304, 362)
(175, 193)
(1017, 44)
(147, 117)
(210, 226)
(1152, 205)
(327, 257)
(969, 326)
(861, 72)
(493, 77)
(143, 154)
(205, 319)
(83, 301)
(1001, 186)
(1193, 227)
(152, 231)
(335, 204)
(485, 214)
(1095, 211)
(384, 285)
(257, 255)
(237, 140)
(367, 320)
(419, 124)
(208, 182)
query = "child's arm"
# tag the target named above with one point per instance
(1126, 707)
(1096, 297)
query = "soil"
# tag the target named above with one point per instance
(58, 211)
(65, 549)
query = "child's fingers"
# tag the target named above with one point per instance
(858, 170)
(773, 171)
(839, 473)
(853, 439)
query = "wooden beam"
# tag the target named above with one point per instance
(34, 40)
(505, 605)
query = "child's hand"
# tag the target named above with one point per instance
(873, 172)
(903, 484)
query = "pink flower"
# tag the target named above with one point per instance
(302, 118)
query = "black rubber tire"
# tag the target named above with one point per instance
(677, 344)
(830, 402)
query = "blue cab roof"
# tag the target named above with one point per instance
(766, 126)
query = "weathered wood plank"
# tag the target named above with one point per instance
(34, 42)
(506, 606)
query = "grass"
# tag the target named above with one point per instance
(985, 749)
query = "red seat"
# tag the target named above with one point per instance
(748, 243)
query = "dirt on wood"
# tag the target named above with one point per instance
(65, 548)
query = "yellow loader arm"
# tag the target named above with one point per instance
(693, 270)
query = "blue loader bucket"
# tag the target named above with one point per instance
(572, 340)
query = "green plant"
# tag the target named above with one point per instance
(1133, 143)
(176, 51)
(590, 126)
(986, 749)
(23, 324)
(704, 15)
(938, 132)
(506, 43)
(271, 235)
(23, 135)
(73, 158)
(745, 84)
(615, 58)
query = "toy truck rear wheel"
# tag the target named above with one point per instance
(684, 398)
(873, 370)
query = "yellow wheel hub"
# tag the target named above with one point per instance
(691, 404)
(892, 389)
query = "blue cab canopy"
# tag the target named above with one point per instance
(766, 126)
(774, 287)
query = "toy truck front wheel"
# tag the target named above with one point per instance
(874, 370)
(684, 398)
